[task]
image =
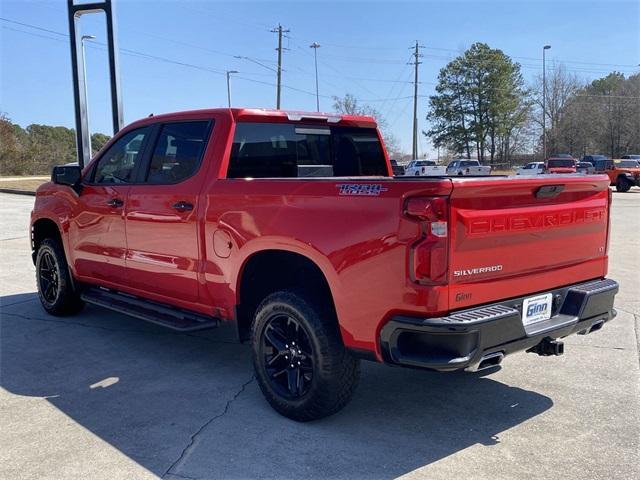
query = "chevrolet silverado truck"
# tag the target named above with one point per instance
(290, 227)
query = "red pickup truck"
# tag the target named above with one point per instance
(290, 226)
(562, 164)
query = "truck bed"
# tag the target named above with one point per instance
(357, 231)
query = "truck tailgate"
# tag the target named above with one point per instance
(513, 236)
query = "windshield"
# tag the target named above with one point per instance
(628, 164)
(561, 163)
(632, 157)
(263, 150)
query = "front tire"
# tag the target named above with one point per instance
(55, 288)
(623, 185)
(301, 365)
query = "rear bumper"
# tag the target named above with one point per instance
(463, 338)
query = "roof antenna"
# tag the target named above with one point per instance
(150, 115)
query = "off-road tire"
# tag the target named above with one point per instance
(622, 184)
(335, 372)
(65, 301)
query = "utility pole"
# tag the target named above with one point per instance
(316, 46)
(279, 31)
(416, 61)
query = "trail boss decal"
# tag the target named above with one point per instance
(361, 189)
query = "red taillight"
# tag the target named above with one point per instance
(429, 254)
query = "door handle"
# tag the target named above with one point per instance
(183, 206)
(115, 202)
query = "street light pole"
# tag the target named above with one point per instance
(229, 72)
(544, 102)
(84, 77)
(315, 46)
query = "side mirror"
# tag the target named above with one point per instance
(69, 175)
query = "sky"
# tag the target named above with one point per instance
(174, 54)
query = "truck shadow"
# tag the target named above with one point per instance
(148, 392)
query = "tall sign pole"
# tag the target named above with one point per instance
(316, 46)
(544, 102)
(75, 11)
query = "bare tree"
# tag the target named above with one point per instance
(561, 88)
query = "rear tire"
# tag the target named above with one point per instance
(622, 184)
(301, 365)
(55, 288)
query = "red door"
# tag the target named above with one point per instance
(97, 234)
(163, 250)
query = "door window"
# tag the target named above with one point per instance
(117, 165)
(178, 152)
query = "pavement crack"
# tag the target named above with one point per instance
(636, 329)
(595, 346)
(176, 475)
(12, 238)
(194, 437)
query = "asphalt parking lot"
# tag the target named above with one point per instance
(101, 395)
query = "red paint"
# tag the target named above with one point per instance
(365, 245)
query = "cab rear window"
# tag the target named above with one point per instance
(561, 163)
(272, 150)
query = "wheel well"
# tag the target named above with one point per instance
(272, 270)
(40, 231)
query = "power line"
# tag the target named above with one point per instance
(459, 51)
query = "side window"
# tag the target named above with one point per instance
(178, 151)
(272, 150)
(117, 165)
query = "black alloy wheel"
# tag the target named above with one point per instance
(288, 356)
(300, 363)
(49, 276)
(56, 290)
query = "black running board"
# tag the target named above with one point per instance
(147, 310)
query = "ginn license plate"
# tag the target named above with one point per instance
(536, 309)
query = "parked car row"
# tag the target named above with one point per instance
(623, 173)
(429, 168)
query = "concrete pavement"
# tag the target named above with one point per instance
(101, 395)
